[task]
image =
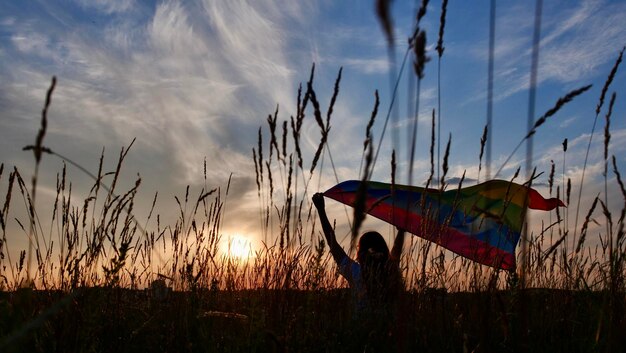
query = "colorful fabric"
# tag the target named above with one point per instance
(481, 222)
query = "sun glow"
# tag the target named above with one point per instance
(239, 247)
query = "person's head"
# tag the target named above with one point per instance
(372, 248)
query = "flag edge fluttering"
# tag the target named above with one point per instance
(402, 214)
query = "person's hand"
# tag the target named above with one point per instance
(318, 201)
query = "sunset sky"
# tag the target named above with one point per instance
(195, 79)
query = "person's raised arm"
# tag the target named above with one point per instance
(396, 251)
(335, 249)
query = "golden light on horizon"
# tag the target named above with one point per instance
(239, 247)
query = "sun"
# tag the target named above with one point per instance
(239, 247)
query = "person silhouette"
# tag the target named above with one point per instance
(374, 278)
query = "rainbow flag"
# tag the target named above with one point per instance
(481, 222)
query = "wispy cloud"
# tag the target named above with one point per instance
(177, 80)
(575, 42)
(195, 79)
(368, 66)
(107, 6)
(190, 80)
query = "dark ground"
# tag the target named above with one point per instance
(121, 320)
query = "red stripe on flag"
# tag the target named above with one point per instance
(450, 238)
(537, 202)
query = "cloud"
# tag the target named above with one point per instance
(107, 6)
(183, 82)
(31, 43)
(368, 66)
(189, 80)
(567, 121)
(195, 79)
(575, 42)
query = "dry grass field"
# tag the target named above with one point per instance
(97, 279)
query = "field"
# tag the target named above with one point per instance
(117, 319)
(97, 279)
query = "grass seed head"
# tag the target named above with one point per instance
(609, 80)
(442, 26)
(383, 11)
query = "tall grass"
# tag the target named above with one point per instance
(99, 244)
(287, 294)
